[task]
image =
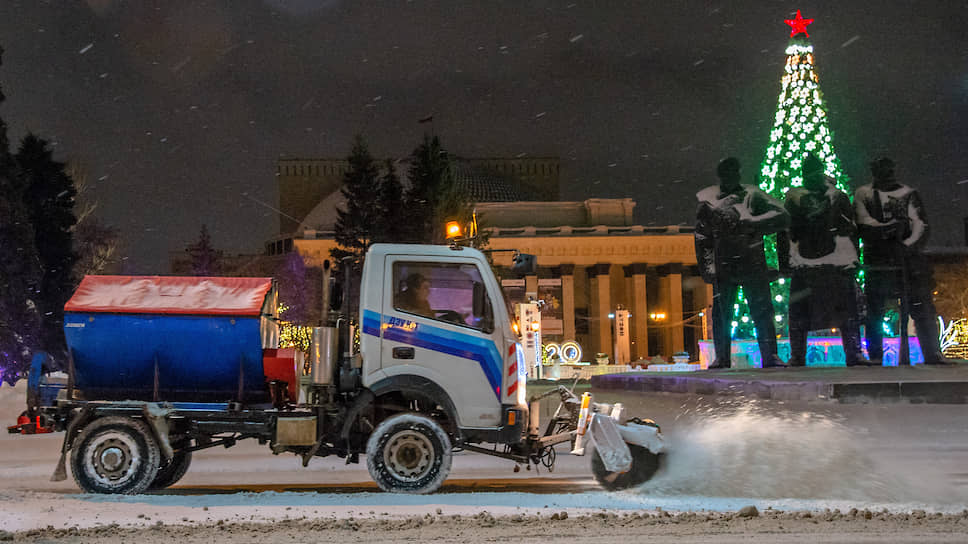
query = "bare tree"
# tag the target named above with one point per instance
(84, 201)
(97, 245)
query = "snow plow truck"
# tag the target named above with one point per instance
(163, 366)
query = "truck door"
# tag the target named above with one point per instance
(431, 329)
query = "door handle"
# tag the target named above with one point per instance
(403, 353)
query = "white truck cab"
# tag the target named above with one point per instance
(435, 317)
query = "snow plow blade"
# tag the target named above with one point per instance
(612, 448)
(646, 436)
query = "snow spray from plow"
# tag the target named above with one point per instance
(745, 451)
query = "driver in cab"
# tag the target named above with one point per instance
(414, 298)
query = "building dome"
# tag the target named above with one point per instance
(482, 185)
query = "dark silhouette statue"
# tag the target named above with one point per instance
(820, 252)
(731, 221)
(894, 227)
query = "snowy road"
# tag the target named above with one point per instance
(725, 455)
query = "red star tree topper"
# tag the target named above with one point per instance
(798, 25)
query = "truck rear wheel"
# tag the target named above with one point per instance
(409, 453)
(115, 455)
(169, 473)
(644, 465)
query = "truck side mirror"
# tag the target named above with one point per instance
(524, 264)
(478, 302)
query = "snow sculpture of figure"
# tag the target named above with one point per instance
(820, 250)
(731, 221)
(893, 226)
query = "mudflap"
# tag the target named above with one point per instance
(610, 444)
(157, 417)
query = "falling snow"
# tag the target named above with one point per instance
(850, 41)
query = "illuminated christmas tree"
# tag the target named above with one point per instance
(800, 126)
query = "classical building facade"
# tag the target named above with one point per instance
(595, 262)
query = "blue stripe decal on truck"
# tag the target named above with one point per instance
(440, 340)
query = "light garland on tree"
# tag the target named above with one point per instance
(954, 338)
(800, 126)
(292, 335)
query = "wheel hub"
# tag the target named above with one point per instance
(409, 455)
(111, 458)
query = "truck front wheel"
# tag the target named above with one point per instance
(115, 455)
(644, 465)
(409, 453)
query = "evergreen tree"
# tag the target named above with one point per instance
(360, 223)
(205, 259)
(801, 123)
(800, 126)
(49, 199)
(434, 197)
(394, 212)
(19, 320)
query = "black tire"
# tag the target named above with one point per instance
(169, 473)
(644, 465)
(409, 453)
(115, 455)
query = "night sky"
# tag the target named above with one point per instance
(178, 110)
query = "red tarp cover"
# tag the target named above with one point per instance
(170, 295)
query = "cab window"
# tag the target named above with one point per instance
(447, 292)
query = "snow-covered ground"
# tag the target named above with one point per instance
(725, 454)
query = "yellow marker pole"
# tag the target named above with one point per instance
(583, 419)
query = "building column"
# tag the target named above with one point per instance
(640, 310)
(670, 295)
(702, 301)
(567, 274)
(600, 303)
